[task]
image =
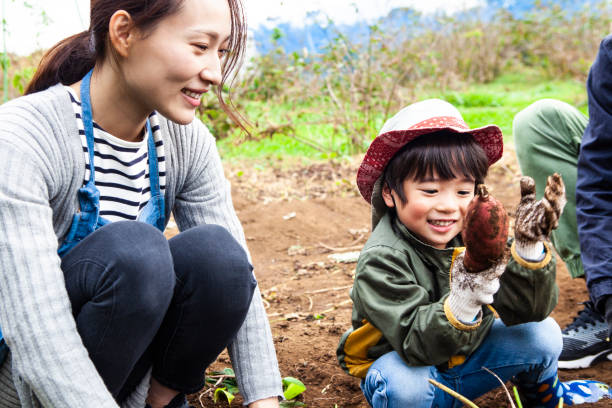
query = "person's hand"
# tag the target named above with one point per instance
(536, 219)
(470, 291)
(265, 403)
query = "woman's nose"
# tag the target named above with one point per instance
(211, 72)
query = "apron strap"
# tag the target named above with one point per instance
(88, 122)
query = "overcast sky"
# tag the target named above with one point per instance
(28, 29)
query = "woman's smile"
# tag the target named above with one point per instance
(193, 97)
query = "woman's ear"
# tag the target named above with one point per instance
(121, 32)
(387, 197)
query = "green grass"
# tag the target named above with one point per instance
(480, 104)
(498, 102)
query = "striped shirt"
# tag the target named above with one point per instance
(121, 168)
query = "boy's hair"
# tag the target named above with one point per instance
(446, 153)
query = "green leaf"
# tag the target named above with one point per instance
(228, 371)
(231, 385)
(292, 387)
(223, 392)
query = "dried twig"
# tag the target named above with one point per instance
(266, 303)
(503, 385)
(334, 307)
(342, 249)
(294, 315)
(328, 289)
(221, 376)
(200, 398)
(453, 393)
(310, 302)
(351, 247)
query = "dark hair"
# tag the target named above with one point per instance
(69, 60)
(446, 153)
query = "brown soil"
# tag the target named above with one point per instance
(294, 217)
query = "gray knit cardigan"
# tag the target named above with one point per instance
(41, 168)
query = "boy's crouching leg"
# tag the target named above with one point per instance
(390, 383)
(541, 344)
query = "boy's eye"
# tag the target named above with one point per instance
(465, 192)
(429, 191)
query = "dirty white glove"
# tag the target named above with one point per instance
(470, 291)
(536, 219)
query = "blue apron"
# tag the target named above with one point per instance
(88, 219)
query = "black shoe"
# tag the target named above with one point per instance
(585, 340)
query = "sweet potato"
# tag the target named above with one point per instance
(485, 231)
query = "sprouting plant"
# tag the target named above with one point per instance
(292, 387)
(223, 385)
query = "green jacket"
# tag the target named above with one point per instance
(399, 294)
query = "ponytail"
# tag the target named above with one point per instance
(67, 62)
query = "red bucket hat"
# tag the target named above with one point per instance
(420, 118)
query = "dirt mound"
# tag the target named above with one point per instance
(294, 218)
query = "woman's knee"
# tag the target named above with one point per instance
(213, 245)
(141, 264)
(214, 265)
(213, 249)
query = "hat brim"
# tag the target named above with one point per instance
(385, 145)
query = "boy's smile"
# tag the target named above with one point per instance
(434, 208)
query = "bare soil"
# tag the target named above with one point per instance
(295, 216)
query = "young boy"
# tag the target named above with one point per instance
(417, 313)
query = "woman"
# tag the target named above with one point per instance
(97, 308)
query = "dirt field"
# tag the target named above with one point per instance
(294, 218)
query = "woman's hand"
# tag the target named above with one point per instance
(271, 402)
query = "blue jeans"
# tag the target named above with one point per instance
(527, 352)
(141, 301)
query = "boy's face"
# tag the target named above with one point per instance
(434, 208)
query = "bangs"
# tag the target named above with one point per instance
(448, 162)
(444, 154)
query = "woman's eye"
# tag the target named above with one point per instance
(223, 52)
(201, 47)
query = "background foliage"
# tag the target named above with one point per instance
(489, 64)
(331, 99)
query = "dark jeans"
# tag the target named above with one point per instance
(142, 301)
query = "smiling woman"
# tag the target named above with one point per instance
(97, 307)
